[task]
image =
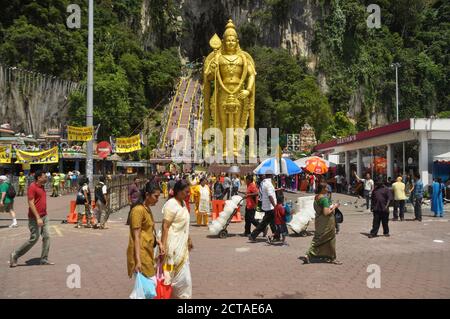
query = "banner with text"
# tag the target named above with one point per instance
(44, 157)
(5, 154)
(82, 134)
(127, 144)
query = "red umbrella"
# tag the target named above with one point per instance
(167, 174)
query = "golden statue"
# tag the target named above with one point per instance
(229, 89)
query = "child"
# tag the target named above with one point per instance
(280, 221)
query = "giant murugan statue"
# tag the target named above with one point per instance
(229, 89)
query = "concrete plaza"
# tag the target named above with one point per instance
(414, 261)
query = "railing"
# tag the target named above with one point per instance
(191, 103)
(117, 188)
(188, 87)
(167, 125)
(118, 191)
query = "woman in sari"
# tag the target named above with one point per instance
(177, 242)
(202, 202)
(140, 253)
(437, 203)
(323, 245)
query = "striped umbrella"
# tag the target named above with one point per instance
(277, 166)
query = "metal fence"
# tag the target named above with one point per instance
(117, 188)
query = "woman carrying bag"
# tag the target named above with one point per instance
(323, 245)
(143, 240)
(177, 243)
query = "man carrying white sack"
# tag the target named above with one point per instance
(269, 202)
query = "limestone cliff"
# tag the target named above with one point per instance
(33, 102)
(285, 23)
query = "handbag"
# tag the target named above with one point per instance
(163, 291)
(338, 216)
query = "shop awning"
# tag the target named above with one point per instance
(133, 164)
(442, 157)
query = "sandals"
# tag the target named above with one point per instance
(305, 259)
(334, 261)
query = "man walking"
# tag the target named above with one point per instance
(250, 205)
(101, 203)
(339, 180)
(227, 186)
(22, 183)
(62, 183)
(133, 192)
(417, 193)
(6, 201)
(398, 188)
(269, 202)
(368, 188)
(55, 182)
(38, 222)
(236, 182)
(381, 197)
(218, 190)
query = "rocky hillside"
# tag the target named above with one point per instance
(317, 60)
(350, 61)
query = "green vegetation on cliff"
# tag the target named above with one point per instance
(129, 80)
(136, 69)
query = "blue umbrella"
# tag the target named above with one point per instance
(272, 166)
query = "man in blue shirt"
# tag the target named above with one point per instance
(417, 192)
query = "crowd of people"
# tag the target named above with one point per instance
(168, 251)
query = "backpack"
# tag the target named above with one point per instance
(11, 192)
(99, 193)
(81, 199)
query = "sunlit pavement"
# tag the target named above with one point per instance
(413, 262)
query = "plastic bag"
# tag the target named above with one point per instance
(222, 220)
(236, 199)
(215, 227)
(144, 288)
(163, 291)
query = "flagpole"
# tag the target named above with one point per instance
(90, 95)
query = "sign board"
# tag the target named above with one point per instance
(104, 149)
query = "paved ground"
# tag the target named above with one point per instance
(412, 263)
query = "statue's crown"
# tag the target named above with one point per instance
(230, 29)
(230, 25)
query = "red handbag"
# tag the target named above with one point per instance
(162, 291)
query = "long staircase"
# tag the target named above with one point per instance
(184, 110)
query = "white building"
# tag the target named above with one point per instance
(402, 148)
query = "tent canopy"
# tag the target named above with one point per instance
(442, 157)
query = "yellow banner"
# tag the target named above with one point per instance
(83, 134)
(5, 154)
(128, 144)
(45, 157)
